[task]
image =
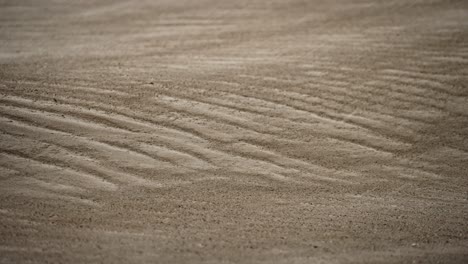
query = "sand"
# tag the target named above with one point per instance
(234, 131)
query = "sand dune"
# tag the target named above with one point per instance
(234, 131)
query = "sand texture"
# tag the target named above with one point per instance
(219, 131)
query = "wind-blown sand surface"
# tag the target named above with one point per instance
(233, 131)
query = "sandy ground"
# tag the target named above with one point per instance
(243, 131)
